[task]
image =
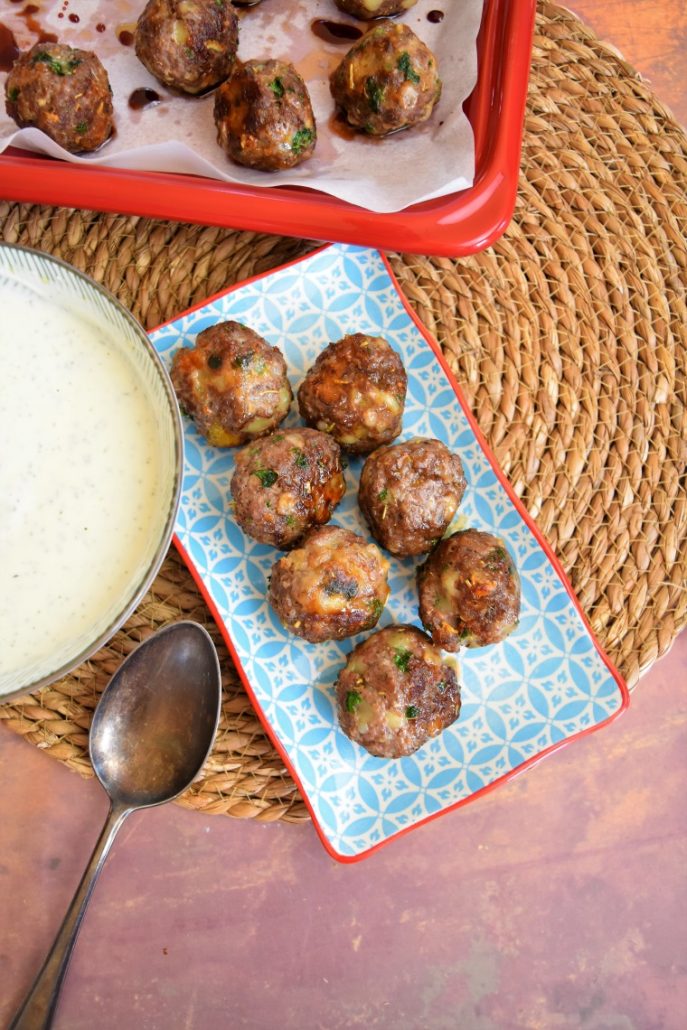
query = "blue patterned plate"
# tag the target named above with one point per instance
(546, 684)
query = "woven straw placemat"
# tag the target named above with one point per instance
(569, 337)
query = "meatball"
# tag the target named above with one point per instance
(63, 91)
(332, 586)
(364, 10)
(264, 117)
(232, 384)
(189, 45)
(387, 81)
(409, 493)
(356, 390)
(285, 484)
(395, 693)
(469, 591)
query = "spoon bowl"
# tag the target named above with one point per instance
(151, 733)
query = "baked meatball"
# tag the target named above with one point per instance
(364, 10)
(264, 117)
(387, 81)
(189, 45)
(356, 390)
(285, 484)
(63, 91)
(409, 493)
(232, 384)
(332, 586)
(469, 591)
(395, 692)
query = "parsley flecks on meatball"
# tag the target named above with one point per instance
(364, 10)
(264, 117)
(356, 391)
(189, 45)
(232, 384)
(332, 586)
(409, 493)
(387, 81)
(63, 91)
(469, 591)
(395, 692)
(285, 484)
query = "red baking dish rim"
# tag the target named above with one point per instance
(453, 226)
(517, 503)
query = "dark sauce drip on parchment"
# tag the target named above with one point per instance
(435, 17)
(142, 98)
(335, 31)
(125, 33)
(33, 25)
(74, 19)
(9, 51)
(100, 27)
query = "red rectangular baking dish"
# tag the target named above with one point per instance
(462, 223)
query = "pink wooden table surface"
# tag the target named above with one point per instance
(559, 901)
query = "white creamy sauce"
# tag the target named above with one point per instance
(79, 482)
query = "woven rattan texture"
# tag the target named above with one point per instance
(569, 337)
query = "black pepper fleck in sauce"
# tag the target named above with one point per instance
(100, 27)
(435, 17)
(142, 98)
(9, 51)
(335, 31)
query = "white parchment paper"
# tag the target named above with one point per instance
(178, 134)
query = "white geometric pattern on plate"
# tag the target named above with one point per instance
(546, 683)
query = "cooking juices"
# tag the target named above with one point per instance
(81, 491)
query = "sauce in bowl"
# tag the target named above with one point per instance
(84, 480)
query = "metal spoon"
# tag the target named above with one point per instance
(151, 733)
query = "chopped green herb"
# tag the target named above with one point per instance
(374, 93)
(353, 699)
(260, 366)
(383, 494)
(268, 477)
(56, 65)
(277, 87)
(377, 607)
(243, 360)
(290, 520)
(402, 658)
(464, 633)
(81, 128)
(219, 3)
(441, 686)
(278, 437)
(299, 457)
(403, 64)
(348, 588)
(496, 557)
(412, 712)
(301, 140)
(13, 94)
(215, 361)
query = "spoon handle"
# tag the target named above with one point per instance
(38, 1008)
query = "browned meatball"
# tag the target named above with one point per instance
(469, 591)
(409, 493)
(356, 390)
(387, 81)
(63, 91)
(332, 586)
(367, 9)
(189, 45)
(395, 692)
(264, 117)
(232, 384)
(285, 484)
